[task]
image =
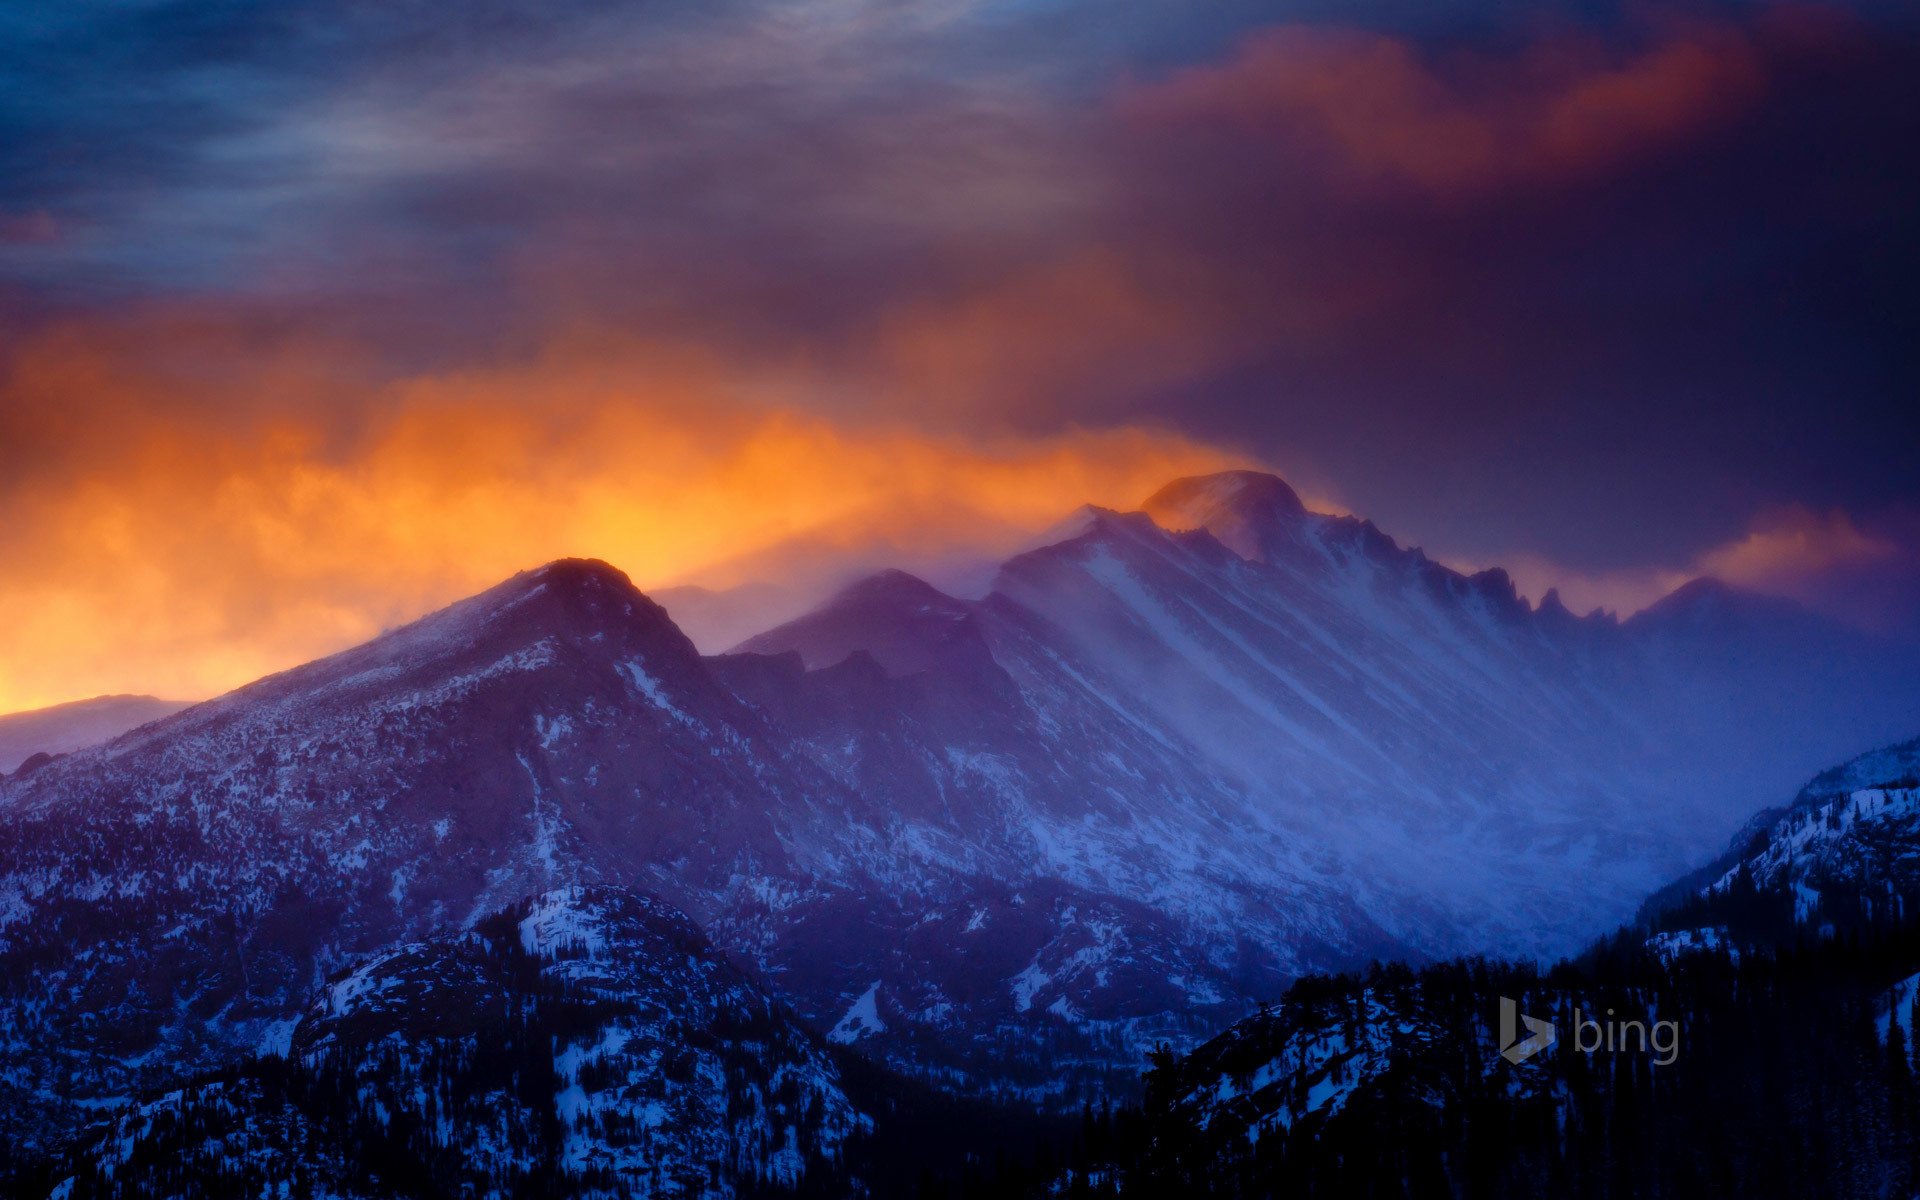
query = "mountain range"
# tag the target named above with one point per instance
(590, 1041)
(1170, 762)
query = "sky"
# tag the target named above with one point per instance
(316, 314)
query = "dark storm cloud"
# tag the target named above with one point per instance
(1681, 329)
(1581, 282)
(783, 163)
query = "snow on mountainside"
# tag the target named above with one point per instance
(1890, 766)
(1299, 1063)
(1029, 894)
(1846, 850)
(1867, 841)
(65, 728)
(1413, 727)
(1689, 1046)
(1625, 1072)
(210, 867)
(1449, 754)
(1845, 854)
(1005, 845)
(586, 1039)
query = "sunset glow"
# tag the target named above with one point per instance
(343, 340)
(606, 599)
(213, 555)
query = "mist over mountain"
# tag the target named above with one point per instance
(64, 728)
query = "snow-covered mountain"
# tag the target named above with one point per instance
(1390, 1038)
(1445, 755)
(1171, 761)
(1845, 852)
(585, 1042)
(64, 728)
(1847, 849)
(1727, 1043)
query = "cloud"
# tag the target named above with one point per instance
(1594, 336)
(1595, 294)
(1077, 335)
(1867, 574)
(156, 543)
(36, 228)
(1378, 111)
(642, 158)
(1793, 544)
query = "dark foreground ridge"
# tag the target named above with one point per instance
(1752, 1035)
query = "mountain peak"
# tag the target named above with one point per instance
(580, 586)
(1250, 493)
(900, 619)
(582, 572)
(1241, 508)
(574, 579)
(1709, 599)
(518, 624)
(895, 586)
(1699, 591)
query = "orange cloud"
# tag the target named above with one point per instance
(1792, 544)
(178, 532)
(1790, 551)
(1383, 112)
(1099, 323)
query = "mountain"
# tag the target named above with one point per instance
(586, 1042)
(1703, 1076)
(1845, 854)
(902, 622)
(1894, 766)
(1445, 752)
(1770, 1054)
(65, 728)
(218, 862)
(733, 600)
(1004, 845)
(899, 862)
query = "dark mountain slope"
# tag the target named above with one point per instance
(1756, 1039)
(584, 1043)
(211, 866)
